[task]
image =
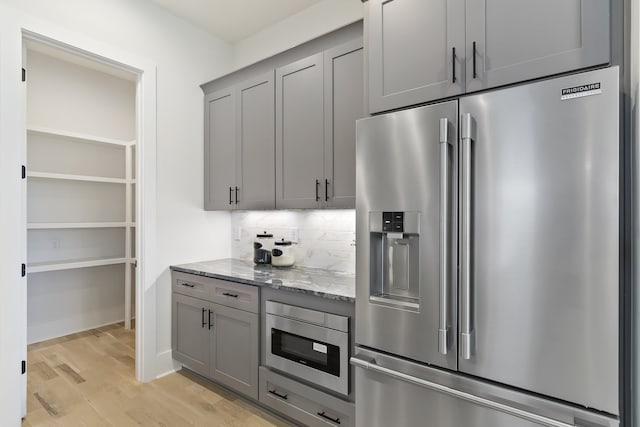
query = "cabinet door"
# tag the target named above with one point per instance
(344, 104)
(219, 150)
(411, 51)
(190, 332)
(519, 40)
(234, 349)
(299, 133)
(255, 148)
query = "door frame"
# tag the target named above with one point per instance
(145, 202)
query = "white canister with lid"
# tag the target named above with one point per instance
(282, 254)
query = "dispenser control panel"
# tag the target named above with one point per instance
(393, 222)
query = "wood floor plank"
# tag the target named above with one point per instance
(88, 379)
(70, 373)
(43, 371)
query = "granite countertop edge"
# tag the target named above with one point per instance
(207, 269)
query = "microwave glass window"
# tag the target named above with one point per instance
(315, 354)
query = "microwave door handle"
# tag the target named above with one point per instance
(467, 336)
(445, 178)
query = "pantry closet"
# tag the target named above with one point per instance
(81, 191)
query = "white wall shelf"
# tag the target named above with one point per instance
(66, 225)
(70, 177)
(68, 265)
(79, 136)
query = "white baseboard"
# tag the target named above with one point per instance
(165, 364)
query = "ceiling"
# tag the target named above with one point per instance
(234, 20)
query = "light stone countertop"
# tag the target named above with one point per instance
(321, 282)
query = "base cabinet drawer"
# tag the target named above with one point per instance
(236, 295)
(304, 404)
(190, 285)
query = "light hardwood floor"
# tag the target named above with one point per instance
(88, 379)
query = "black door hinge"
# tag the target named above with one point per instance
(24, 270)
(24, 171)
(24, 75)
(24, 367)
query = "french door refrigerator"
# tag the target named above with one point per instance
(488, 259)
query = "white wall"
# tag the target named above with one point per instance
(184, 57)
(315, 21)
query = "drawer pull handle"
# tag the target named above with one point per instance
(189, 285)
(227, 294)
(325, 416)
(281, 396)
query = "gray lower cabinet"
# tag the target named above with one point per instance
(422, 50)
(190, 335)
(300, 133)
(239, 146)
(309, 406)
(215, 330)
(234, 349)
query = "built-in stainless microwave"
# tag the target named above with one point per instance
(308, 344)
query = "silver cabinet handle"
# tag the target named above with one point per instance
(443, 328)
(487, 403)
(467, 336)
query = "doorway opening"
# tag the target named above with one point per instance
(82, 149)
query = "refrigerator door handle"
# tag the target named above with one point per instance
(487, 403)
(445, 178)
(467, 336)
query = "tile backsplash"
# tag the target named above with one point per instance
(326, 238)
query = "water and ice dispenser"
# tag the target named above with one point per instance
(395, 258)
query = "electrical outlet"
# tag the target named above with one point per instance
(237, 233)
(294, 237)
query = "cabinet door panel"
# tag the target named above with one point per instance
(299, 133)
(343, 106)
(219, 150)
(234, 349)
(190, 333)
(518, 40)
(411, 46)
(255, 155)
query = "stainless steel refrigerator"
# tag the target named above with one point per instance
(487, 258)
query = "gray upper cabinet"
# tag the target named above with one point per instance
(255, 145)
(517, 40)
(497, 42)
(300, 134)
(285, 139)
(239, 146)
(416, 51)
(234, 349)
(343, 105)
(219, 150)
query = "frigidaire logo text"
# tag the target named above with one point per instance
(582, 88)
